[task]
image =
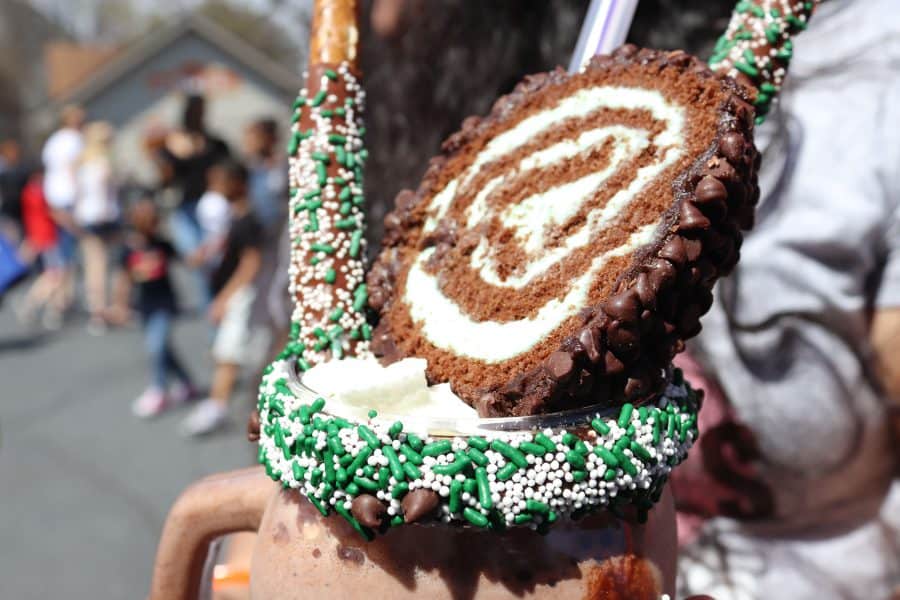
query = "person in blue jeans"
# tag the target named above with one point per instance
(144, 262)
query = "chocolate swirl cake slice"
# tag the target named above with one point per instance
(559, 251)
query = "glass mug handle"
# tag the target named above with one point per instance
(214, 506)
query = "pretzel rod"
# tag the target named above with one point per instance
(757, 46)
(326, 177)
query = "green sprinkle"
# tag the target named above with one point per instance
(757, 11)
(506, 471)
(345, 224)
(609, 475)
(656, 432)
(368, 471)
(470, 486)
(340, 111)
(327, 112)
(411, 470)
(415, 442)
(643, 414)
(300, 101)
(579, 475)
(355, 243)
(437, 448)
(474, 517)
(455, 493)
(768, 88)
(746, 69)
(312, 194)
(410, 454)
(366, 484)
(352, 489)
(575, 459)
(394, 463)
(294, 144)
(345, 208)
(626, 463)
(369, 437)
(324, 248)
(600, 426)
(318, 98)
(513, 454)
(484, 488)
(395, 429)
(318, 505)
(384, 477)
(372, 413)
(359, 200)
(641, 452)
(321, 157)
(772, 33)
(340, 475)
(795, 22)
(321, 173)
(366, 331)
(328, 462)
(336, 138)
(360, 460)
(330, 276)
(522, 518)
(337, 313)
(625, 415)
(363, 531)
(298, 471)
(545, 441)
(477, 457)
(536, 506)
(569, 439)
(462, 461)
(334, 442)
(331, 74)
(399, 490)
(360, 296)
(345, 194)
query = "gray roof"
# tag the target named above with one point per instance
(159, 39)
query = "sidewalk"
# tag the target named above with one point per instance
(84, 486)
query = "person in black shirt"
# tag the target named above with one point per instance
(184, 161)
(237, 342)
(145, 259)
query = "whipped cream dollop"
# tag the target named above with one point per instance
(354, 386)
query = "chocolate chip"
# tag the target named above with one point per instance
(404, 200)
(612, 365)
(368, 510)
(587, 337)
(635, 388)
(692, 249)
(732, 146)
(624, 306)
(673, 250)
(560, 365)
(661, 274)
(691, 219)
(377, 298)
(253, 426)
(418, 503)
(710, 189)
(622, 338)
(392, 221)
(645, 291)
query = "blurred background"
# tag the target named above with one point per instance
(131, 129)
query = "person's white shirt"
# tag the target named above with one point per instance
(213, 214)
(60, 153)
(96, 201)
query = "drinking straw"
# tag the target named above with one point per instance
(605, 28)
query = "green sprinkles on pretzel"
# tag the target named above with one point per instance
(758, 46)
(501, 479)
(327, 220)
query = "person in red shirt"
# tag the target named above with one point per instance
(47, 295)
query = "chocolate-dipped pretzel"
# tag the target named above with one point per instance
(326, 172)
(559, 251)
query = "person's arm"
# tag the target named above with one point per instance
(885, 339)
(248, 267)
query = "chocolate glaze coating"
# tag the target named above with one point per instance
(625, 342)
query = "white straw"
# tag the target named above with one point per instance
(605, 29)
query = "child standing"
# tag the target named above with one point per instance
(237, 343)
(145, 264)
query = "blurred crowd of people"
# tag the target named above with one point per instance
(93, 243)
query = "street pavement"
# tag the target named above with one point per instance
(85, 486)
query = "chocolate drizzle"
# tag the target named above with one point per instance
(619, 347)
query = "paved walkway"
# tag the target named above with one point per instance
(84, 486)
